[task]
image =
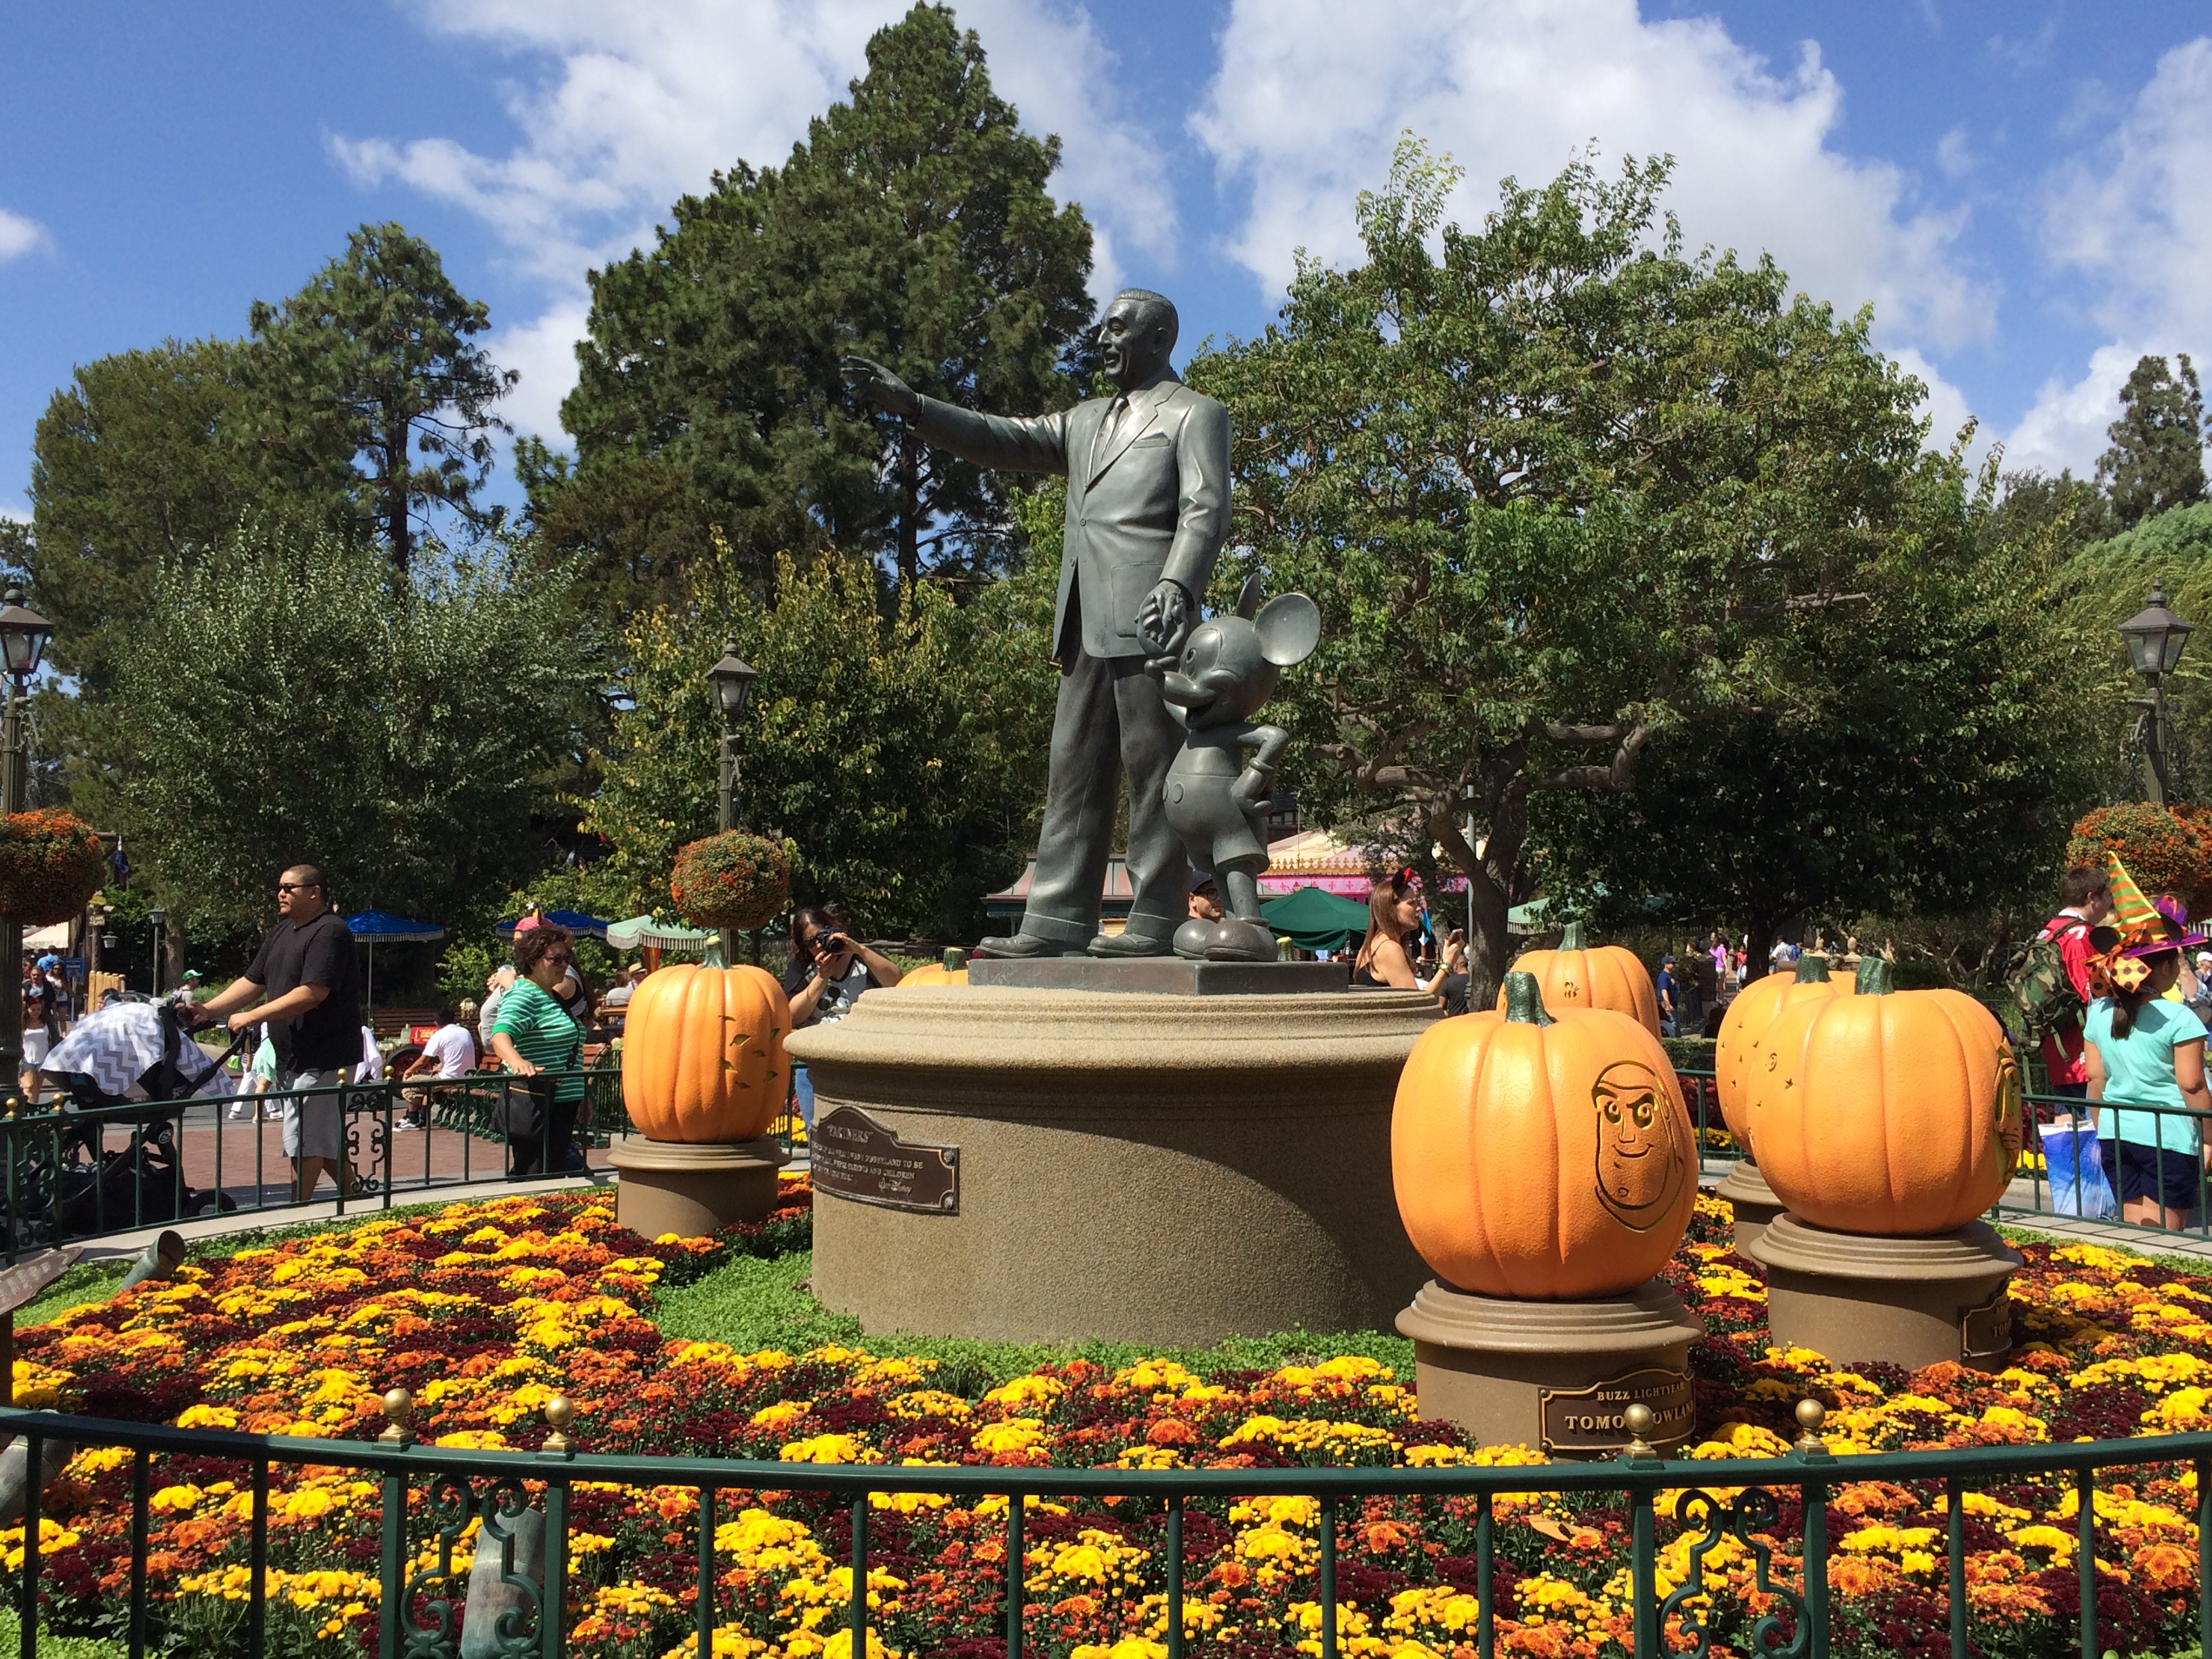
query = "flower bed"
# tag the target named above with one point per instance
(486, 1310)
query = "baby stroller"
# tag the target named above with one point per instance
(129, 1052)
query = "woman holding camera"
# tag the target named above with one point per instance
(829, 969)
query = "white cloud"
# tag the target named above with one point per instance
(623, 108)
(1306, 107)
(2134, 219)
(14, 510)
(544, 351)
(19, 235)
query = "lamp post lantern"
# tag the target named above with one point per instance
(23, 636)
(2155, 639)
(732, 680)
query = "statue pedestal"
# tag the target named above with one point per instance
(1556, 1376)
(1753, 1200)
(674, 1186)
(1912, 1302)
(1024, 1164)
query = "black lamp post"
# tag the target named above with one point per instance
(2155, 639)
(733, 679)
(155, 918)
(23, 636)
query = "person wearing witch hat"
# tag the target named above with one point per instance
(2144, 1054)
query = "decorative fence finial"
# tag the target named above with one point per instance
(397, 1405)
(1811, 1413)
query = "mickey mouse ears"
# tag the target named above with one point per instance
(1289, 625)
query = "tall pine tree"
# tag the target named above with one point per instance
(2157, 456)
(912, 225)
(373, 359)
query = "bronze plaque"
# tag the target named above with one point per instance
(1986, 1332)
(1593, 1418)
(857, 1157)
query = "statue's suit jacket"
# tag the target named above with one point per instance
(1154, 503)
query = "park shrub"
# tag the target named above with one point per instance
(50, 862)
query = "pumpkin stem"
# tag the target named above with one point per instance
(1525, 1001)
(955, 958)
(1812, 970)
(1570, 937)
(1875, 978)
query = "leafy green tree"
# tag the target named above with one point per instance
(901, 753)
(2032, 506)
(142, 458)
(296, 699)
(372, 359)
(912, 225)
(1555, 489)
(2157, 457)
(1905, 738)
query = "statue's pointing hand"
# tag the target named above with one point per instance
(879, 386)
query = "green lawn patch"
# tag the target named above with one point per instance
(754, 1302)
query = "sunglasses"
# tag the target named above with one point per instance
(297, 886)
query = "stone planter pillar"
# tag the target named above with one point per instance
(1148, 1165)
(1912, 1302)
(665, 1186)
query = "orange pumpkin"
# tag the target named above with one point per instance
(1542, 1158)
(953, 971)
(1755, 1009)
(702, 1054)
(1887, 1112)
(1606, 976)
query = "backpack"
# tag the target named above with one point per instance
(2044, 999)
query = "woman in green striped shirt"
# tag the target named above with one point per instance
(534, 1034)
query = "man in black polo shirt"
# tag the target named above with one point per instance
(305, 969)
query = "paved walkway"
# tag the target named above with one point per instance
(2019, 1214)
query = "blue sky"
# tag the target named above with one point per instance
(2019, 190)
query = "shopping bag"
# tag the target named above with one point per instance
(2074, 1166)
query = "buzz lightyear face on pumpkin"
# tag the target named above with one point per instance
(1639, 1168)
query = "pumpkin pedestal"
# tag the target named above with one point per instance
(1910, 1302)
(1556, 1376)
(1753, 1201)
(690, 1189)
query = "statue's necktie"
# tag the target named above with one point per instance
(1109, 430)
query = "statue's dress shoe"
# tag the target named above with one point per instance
(1117, 946)
(1025, 947)
(1239, 941)
(1192, 938)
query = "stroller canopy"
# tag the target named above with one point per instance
(116, 1046)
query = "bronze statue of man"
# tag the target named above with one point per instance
(1147, 472)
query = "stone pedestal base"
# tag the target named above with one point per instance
(1754, 1202)
(1912, 1302)
(1043, 1165)
(672, 1186)
(1556, 1376)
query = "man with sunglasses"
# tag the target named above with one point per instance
(307, 973)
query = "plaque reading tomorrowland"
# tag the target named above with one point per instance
(1986, 1332)
(1596, 1419)
(854, 1157)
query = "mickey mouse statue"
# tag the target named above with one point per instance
(1217, 800)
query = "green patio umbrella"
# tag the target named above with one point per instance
(1313, 920)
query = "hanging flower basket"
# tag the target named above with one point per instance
(735, 879)
(50, 862)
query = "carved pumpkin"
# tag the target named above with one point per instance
(702, 1054)
(1749, 1018)
(1887, 1112)
(1542, 1158)
(1606, 976)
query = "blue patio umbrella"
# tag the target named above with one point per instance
(574, 920)
(372, 927)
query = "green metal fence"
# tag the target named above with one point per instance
(73, 1175)
(432, 1493)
